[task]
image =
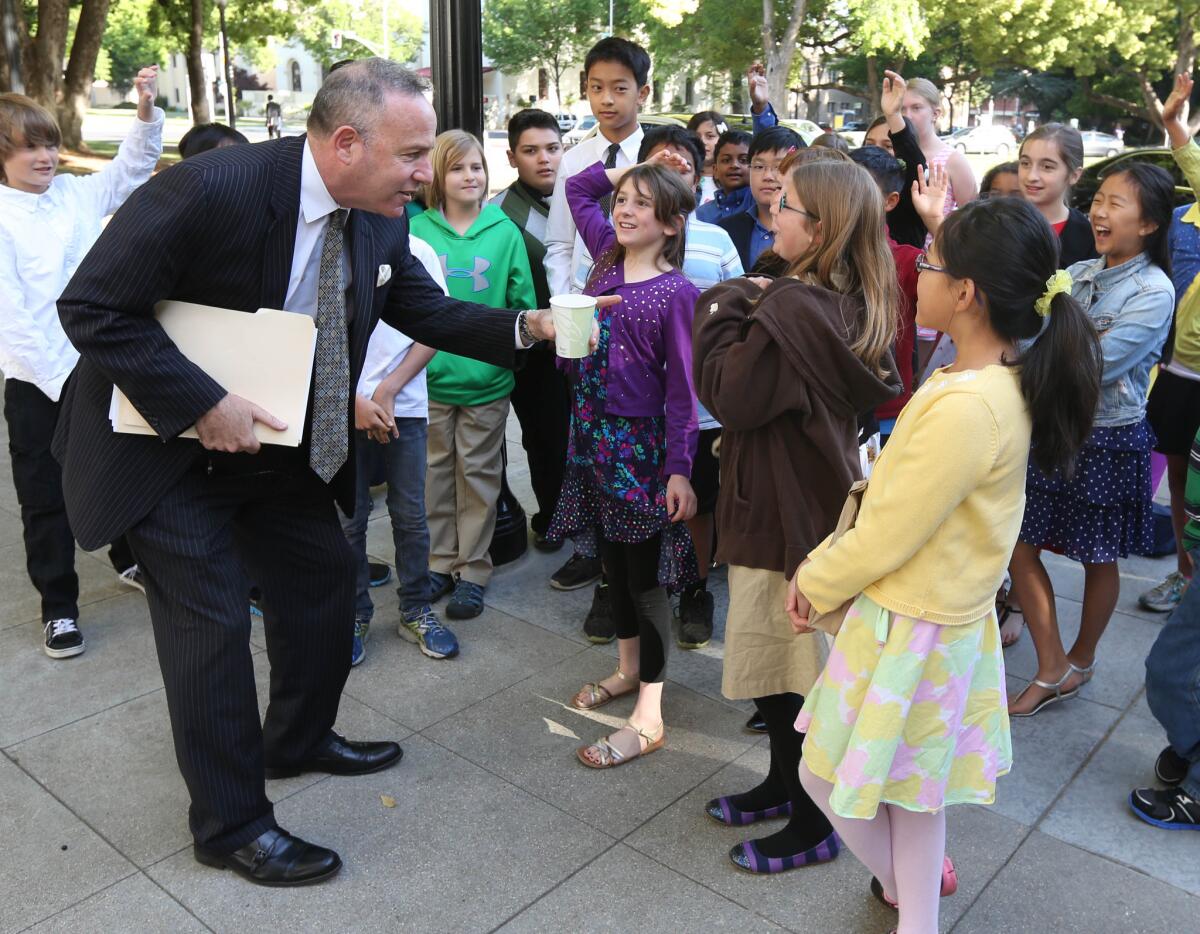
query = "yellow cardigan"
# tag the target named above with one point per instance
(943, 508)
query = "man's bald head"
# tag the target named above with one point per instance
(354, 95)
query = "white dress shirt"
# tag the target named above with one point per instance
(43, 239)
(316, 204)
(388, 347)
(565, 253)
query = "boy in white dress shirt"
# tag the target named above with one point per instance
(48, 223)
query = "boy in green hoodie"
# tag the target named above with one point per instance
(484, 258)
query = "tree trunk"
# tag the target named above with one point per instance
(13, 40)
(873, 108)
(779, 53)
(44, 81)
(195, 66)
(81, 70)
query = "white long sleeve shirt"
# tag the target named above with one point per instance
(388, 347)
(43, 238)
(565, 253)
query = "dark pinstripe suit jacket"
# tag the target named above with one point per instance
(218, 229)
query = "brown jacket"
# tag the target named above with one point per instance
(775, 368)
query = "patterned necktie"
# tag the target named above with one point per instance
(331, 381)
(610, 162)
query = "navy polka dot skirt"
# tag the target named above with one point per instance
(1103, 512)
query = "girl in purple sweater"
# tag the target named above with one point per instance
(633, 432)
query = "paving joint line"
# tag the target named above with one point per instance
(80, 719)
(116, 849)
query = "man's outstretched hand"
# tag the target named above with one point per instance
(541, 322)
(229, 425)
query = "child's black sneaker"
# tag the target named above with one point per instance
(1169, 808)
(599, 626)
(695, 619)
(63, 638)
(1170, 767)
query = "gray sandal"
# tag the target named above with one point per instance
(1057, 687)
(594, 694)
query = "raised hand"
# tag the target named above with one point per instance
(929, 196)
(669, 159)
(892, 97)
(146, 84)
(1175, 111)
(756, 79)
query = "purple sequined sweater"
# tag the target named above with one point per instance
(650, 331)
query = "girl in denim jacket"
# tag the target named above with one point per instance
(1101, 512)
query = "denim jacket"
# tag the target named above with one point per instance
(1131, 306)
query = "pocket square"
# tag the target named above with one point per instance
(385, 275)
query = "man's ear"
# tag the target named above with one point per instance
(890, 201)
(346, 141)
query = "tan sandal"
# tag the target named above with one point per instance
(623, 746)
(595, 694)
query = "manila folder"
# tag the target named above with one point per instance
(266, 357)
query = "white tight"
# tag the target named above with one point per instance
(903, 849)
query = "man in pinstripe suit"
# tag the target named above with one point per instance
(248, 227)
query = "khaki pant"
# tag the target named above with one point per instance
(462, 484)
(763, 656)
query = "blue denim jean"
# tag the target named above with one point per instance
(1173, 681)
(405, 462)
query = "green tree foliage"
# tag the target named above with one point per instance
(549, 34)
(316, 22)
(128, 42)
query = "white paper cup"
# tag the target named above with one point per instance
(573, 317)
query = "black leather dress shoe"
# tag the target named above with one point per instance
(276, 858)
(340, 756)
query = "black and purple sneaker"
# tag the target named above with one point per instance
(723, 812)
(747, 858)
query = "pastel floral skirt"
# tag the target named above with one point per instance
(908, 712)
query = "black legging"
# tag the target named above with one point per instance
(808, 825)
(639, 605)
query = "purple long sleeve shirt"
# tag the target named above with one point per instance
(650, 331)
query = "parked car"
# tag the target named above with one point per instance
(1085, 189)
(991, 139)
(806, 128)
(566, 121)
(1096, 143)
(580, 131)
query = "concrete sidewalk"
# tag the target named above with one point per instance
(497, 826)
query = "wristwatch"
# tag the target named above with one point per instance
(523, 330)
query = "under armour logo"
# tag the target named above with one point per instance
(479, 282)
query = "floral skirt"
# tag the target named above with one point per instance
(1103, 512)
(613, 486)
(908, 712)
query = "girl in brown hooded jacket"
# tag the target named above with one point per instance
(786, 367)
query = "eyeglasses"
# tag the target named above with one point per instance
(784, 206)
(923, 266)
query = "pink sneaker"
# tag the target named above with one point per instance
(949, 884)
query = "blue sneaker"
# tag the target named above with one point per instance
(467, 602)
(423, 627)
(361, 628)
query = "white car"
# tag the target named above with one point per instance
(990, 139)
(580, 131)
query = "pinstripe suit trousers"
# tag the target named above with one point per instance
(228, 518)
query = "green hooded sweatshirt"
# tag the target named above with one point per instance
(488, 264)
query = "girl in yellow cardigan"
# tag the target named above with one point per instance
(909, 714)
